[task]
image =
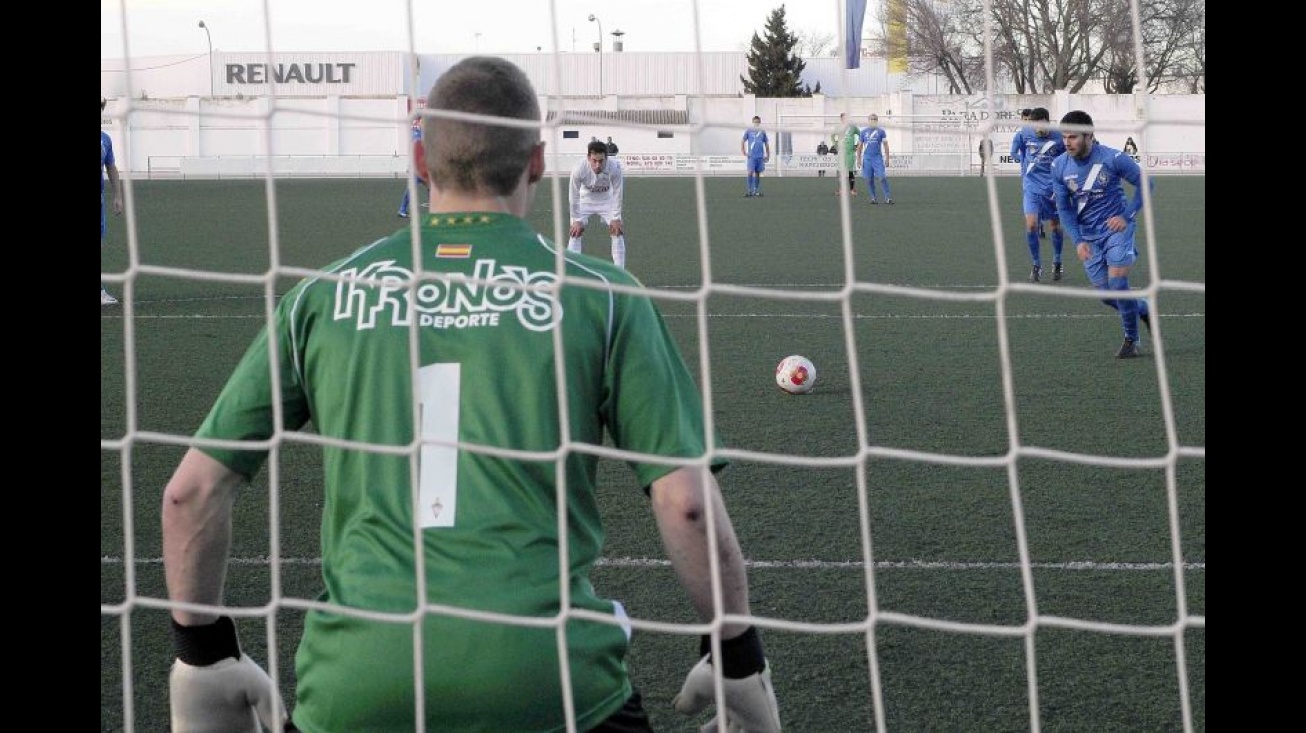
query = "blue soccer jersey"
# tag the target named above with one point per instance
(1036, 156)
(755, 142)
(106, 160)
(872, 139)
(106, 156)
(1088, 191)
(1018, 148)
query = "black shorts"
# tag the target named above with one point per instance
(631, 718)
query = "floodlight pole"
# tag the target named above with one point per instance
(209, 36)
(599, 47)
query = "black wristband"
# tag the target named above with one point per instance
(741, 656)
(200, 646)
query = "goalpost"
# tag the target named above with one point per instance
(136, 648)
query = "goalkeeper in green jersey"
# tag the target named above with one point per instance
(457, 425)
(846, 138)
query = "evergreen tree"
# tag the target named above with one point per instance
(774, 69)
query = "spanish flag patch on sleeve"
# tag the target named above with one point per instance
(458, 251)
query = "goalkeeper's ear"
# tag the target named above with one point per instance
(536, 166)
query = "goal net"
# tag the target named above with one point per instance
(979, 518)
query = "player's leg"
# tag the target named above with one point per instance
(105, 298)
(1058, 246)
(757, 176)
(884, 180)
(1048, 213)
(1120, 255)
(1118, 280)
(618, 232)
(868, 175)
(1032, 206)
(403, 204)
(576, 241)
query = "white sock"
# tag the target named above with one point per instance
(573, 244)
(619, 251)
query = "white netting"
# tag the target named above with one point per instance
(1165, 129)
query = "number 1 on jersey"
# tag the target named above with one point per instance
(441, 388)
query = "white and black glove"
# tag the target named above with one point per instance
(750, 699)
(215, 688)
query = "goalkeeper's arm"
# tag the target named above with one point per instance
(680, 503)
(214, 688)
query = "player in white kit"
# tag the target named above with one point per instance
(597, 184)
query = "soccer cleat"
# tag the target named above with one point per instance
(403, 215)
(875, 201)
(1128, 350)
(1056, 271)
(1034, 273)
(105, 298)
(889, 201)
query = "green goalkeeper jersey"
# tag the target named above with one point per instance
(482, 383)
(849, 147)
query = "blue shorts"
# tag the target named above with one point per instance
(1041, 205)
(756, 165)
(1114, 250)
(872, 167)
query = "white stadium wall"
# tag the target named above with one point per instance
(346, 114)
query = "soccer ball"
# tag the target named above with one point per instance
(795, 374)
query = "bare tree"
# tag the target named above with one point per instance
(1048, 44)
(1193, 68)
(1041, 46)
(937, 40)
(1168, 30)
(813, 43)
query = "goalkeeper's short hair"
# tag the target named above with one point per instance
(596, 146)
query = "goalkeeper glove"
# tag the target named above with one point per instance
(750, 699)
(215, 688)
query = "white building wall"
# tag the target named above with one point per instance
(387, 73)
(162, 116)
(621, 74)
(381, 73)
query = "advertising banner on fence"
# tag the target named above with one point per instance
(648, 163)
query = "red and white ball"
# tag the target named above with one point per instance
(795, 374)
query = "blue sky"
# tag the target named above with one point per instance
(164, 27)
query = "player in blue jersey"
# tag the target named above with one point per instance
(419, 175)
(1018, 150)
(1040, 145)
(464, 371)
(873, 150)
(1086, 181)
(756, 149)
(108, 167)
